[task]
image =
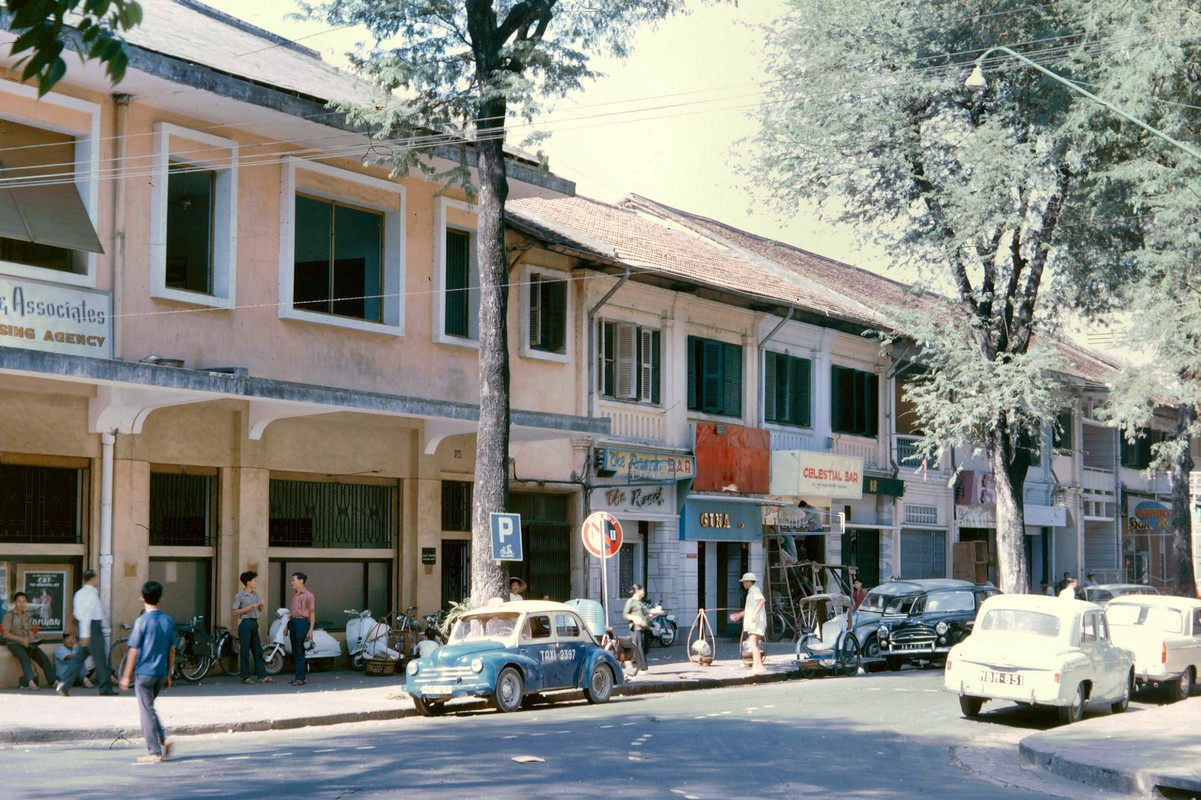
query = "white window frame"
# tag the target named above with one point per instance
(626, 358)
(393, 259)
(87, 174)
(472, 340)
(221, 158)
(528, 276)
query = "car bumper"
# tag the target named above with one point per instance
(1036, 688)
(433, 688)
(919, 651)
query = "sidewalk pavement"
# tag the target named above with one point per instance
(1148, 747)
(1142, 751)
(221, 704)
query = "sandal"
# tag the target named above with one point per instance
(297, 683)
(268, 680)
(248, 681)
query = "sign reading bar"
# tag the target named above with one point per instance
(804, 472)
(644, 466)
(55, 319)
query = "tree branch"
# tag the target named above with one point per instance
(1038, 260)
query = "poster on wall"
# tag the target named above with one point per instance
(47, 598)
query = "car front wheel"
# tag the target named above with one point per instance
(425, 707)
(1074, 710)
(509, 689)
(600, 688)
(970, 706)
(1182, 687)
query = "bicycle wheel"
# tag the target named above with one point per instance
(776, 626)
(188, 665)
(116, 656)
(227, 659)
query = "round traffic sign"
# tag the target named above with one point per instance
(602, 534)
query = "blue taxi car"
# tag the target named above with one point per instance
(510, 652)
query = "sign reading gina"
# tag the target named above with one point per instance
(56, 319)
(506, 536)
(804, 472)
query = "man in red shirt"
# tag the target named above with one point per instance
(303, 607)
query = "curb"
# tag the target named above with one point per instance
(1143, 782)
(17, 736)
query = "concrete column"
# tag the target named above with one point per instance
(421, 523)
(131, 537)
(244, 539)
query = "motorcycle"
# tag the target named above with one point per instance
(366, 638)
(320, 651)
(663, 627)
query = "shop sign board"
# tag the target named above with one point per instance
(804, 472)
(635, 501)
(732, 458)
(53, 318)
(643, 466)
(1148, 515)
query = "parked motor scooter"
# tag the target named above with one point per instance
(320, 651)
(663, 627)
(366, 638)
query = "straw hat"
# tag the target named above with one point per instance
(520, 587)
(750, 576)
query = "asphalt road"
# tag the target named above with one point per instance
(885, 736)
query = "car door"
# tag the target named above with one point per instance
(537, 642)
(1113, 659)
(1192, 639)
(1094, 652)
(573, 642)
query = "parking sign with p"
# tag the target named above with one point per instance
(506, 536)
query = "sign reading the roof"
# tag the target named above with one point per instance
(55, 319)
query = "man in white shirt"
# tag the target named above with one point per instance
(89, 617)
(1069, 591)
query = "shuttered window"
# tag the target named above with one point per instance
(628, 358)
(548, 313)
(714, 377)
(854, 401)
(787, 386)
(458, 283)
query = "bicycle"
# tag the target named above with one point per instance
(118, 650)
(224, 652)
(191, 662)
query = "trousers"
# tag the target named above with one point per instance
(251, 647)
(146, 688)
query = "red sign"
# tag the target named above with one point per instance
(602, 534)
(732, 458)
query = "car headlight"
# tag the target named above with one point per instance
(477, 665)
(941, 628)
(413, 667)
(882, 633)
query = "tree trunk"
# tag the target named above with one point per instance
(1009, 479)
(492, 439)
(1182, 506)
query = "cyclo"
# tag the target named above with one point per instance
(826, 641)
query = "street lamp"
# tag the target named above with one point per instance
(976, 83)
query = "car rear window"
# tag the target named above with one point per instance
(1020, 621)
(1128, 615)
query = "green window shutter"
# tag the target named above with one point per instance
(554, 315)
(604, 358)
(535, 305)
(694, 366)
(457, 300)
(837, 422)
(804, 393)
(731, 400)
(769, 386)
(712, 378)
(872, 404)
(656, 369)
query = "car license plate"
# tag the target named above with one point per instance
(1010, 678)
(914, 647)
(438, 689)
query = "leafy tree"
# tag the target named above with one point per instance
(464, 67)
(44, 28)
(1163, 324)
(1010, 197)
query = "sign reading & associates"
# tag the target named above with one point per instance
(54, 318)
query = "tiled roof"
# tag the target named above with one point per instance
(656, 247)
(193, 32)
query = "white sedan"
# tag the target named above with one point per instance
(1164, 633)
(1041, 651)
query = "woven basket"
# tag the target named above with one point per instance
(381, 666)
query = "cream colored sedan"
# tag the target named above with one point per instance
(1040, 651)
(1164, 633)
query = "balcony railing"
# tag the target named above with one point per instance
(636, 423)
(905, 452)
(867, 449)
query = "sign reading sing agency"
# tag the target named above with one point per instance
(55, 319)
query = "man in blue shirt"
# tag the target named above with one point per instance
(152, 657)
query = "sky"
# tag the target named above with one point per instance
(664, 124)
